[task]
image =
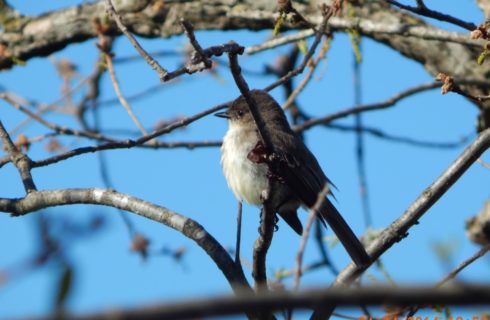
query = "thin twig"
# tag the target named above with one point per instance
(201, 55)
(360, 145)
(451, 275)
(313, 64)
(126, 144)
(142, 249)
(238, 233)
(279, 41)
(422, 10)
(483, 163)
(367, 107)
(378, 105)
(306, 232)
(450, 85)
(53, 126)
(196, 65)
(49, 107)
(327, 13)
(319, 239)
(117, 88)
(377, 133)
(152, 62)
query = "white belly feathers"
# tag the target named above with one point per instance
(247, 180)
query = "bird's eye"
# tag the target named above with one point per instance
(240, 113)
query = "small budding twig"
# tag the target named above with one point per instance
(201, 55)
(196, 64)
(286, 7)
(449, 85)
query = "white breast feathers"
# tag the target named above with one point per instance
(247, 180)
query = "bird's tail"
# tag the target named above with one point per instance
(344, 233)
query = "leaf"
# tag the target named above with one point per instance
(355, 40)
(482, 56)
(278, 24)
(18, 61)
(354, 36)
(302, 46)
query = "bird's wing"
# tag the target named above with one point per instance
(300, 170)
(298, 167)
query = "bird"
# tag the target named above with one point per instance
(298, 177)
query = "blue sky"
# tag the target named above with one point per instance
(107, 275)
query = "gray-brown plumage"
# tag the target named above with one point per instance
(299, 176)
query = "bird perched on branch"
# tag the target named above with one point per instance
(250, 166)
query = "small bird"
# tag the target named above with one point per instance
(299, 177)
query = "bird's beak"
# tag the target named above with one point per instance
(224, 114)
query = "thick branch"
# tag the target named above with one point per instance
(35, 201)
(43, 35)
(468, 295)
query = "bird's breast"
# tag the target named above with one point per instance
(248, 180)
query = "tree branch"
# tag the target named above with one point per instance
(38, 200)
(422, 10)
(152, 62)
(399, 229)
(20, 160)
(468, 295)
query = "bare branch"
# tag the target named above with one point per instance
(189, 31)
(400, 139)
(133, 143)
(58, 129)
(373, 106)
(451, 275)
(266, 230)
(115, 83)
(313, 64)
(152, 62)
(449, 85)
(306, 232)
(20, 160)
(422, 10)
(35, 201)
(484, 164)
(327, 13)
(263, 242)
(399, 228)
(198, 64)
(468, 295)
